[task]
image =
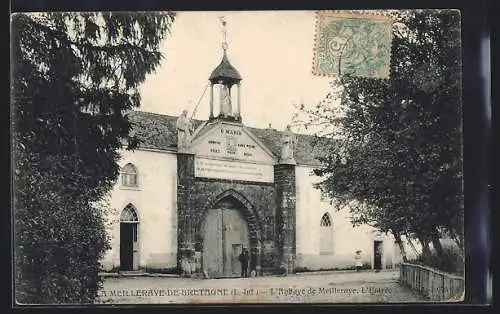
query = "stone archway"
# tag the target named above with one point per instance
(230, 224)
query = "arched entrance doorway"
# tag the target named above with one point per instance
(129, 239)
(225, 234)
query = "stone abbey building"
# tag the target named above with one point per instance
(195, 193)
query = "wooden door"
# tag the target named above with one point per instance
(126, 246)
(225, 235)
(235, 239)
(212, 244)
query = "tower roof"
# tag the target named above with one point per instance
(225, 71)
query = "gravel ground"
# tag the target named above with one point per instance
(363, 287)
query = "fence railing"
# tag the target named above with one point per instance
(431, 283)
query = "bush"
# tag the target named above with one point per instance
(60, 239)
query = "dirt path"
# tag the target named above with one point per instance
(365, 287)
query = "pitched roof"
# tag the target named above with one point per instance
(156, 131)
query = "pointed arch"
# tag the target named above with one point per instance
(248, 211)
(129, 214)
(326, 235)
(326, 220)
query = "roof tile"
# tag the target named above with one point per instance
(156, 131)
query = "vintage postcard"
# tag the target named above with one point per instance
(237, 157)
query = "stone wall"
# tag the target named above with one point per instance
(284, 180)
(195, 196)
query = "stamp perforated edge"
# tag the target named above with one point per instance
(385, 15)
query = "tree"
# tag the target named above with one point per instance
(74, 78)
(398, 163)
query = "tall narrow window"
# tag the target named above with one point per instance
(129, 175)
(326, 235)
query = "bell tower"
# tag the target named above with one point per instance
(225, 80)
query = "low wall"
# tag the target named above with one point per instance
(317, 261)
(431, 283)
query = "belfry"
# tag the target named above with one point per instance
(226, 81)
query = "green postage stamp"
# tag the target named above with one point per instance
(352, 43)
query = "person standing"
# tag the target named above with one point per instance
(244, 263)
(357, 260)
(378, 259)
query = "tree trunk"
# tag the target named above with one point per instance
(436, 243)
(426, 251)
(413, 246)
(397, 237)
(459, 243)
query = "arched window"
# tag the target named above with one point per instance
(129, 221)
(326, 221)
(326, 235)
(129, 214)
(129, 175)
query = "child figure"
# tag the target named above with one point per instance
(357, 259)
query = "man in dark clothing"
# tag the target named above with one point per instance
(244, 263)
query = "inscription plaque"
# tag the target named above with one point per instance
(230, 141)
(233, 170)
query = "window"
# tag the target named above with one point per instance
(326, 221)
(326, 235)
(129, 214)
(129, 175)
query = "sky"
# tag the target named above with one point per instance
(273, 51)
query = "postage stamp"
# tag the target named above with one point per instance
(352, 43)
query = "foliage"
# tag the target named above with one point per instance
(60, 241)
(74, 77)
(398, 164)
(452, 261)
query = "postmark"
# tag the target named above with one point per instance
(351, 42)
